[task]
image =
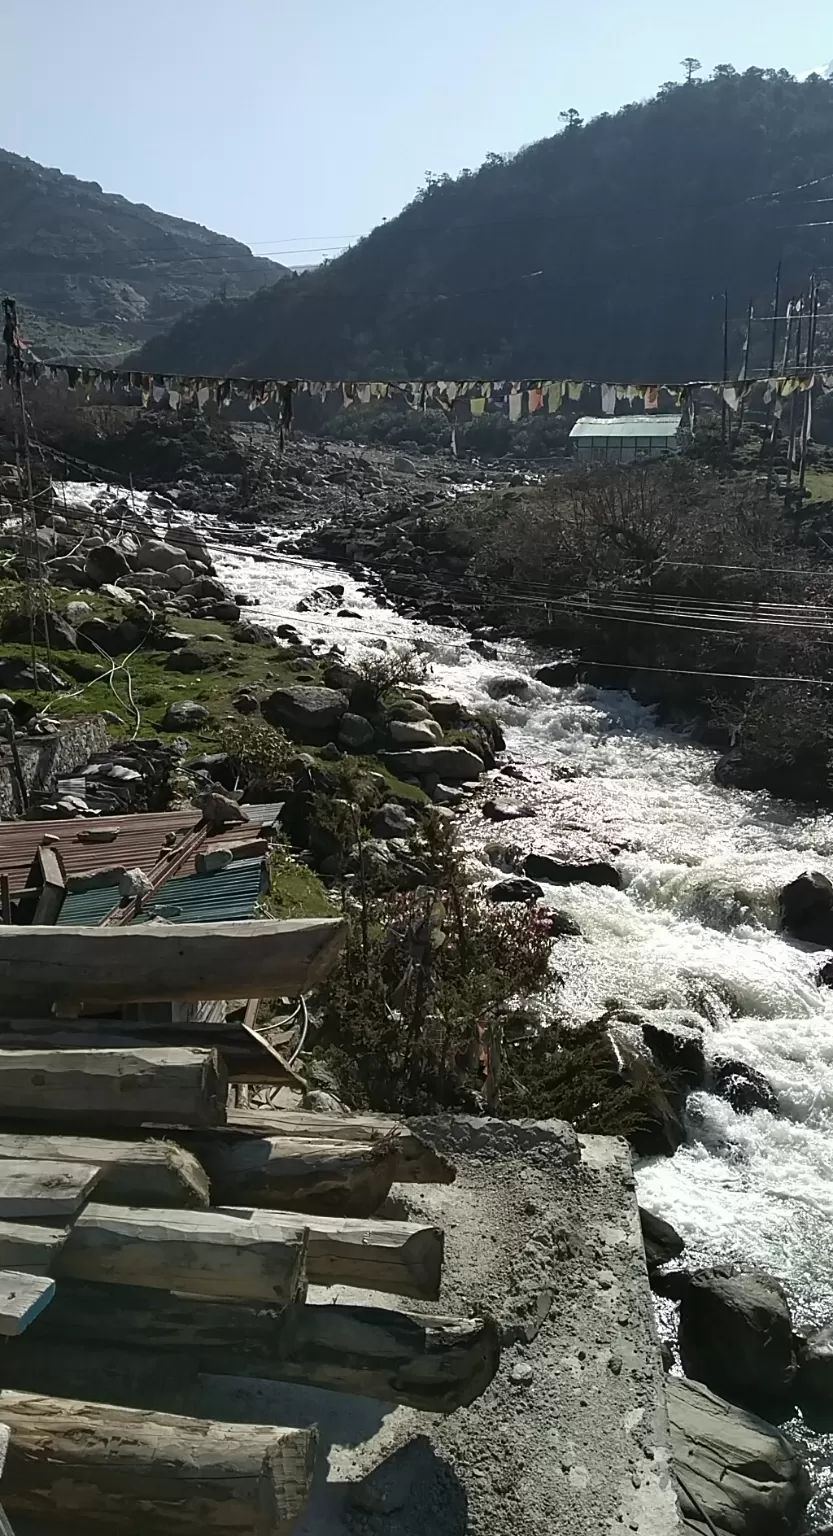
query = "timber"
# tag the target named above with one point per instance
(399, 1257)
(147, 1172)
(53, 886)
(351, 1179)
(209, 1253)
(108, 1334)
(177, 962)
(245, 1057)
(416, 1161)
(40, 1188)
(128, 1470)
(30, 1248)
(22, 1299)
(175, 1086)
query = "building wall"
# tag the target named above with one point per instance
(623, 449)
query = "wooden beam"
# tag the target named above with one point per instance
(351, 1179)
(148, 1172)
(99, 1337)
(416, 1161)
(53, 886)
(400, 1257)
(246, 1058)
(128, 1470)
(177, 962)
(176, 1086)
(22, 1299)
(41, 1188)
(31, 1249)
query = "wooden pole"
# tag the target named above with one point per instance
(808, 395)
(177, 962)
(121, 1469)
(96, 1336)
(723, 417)
(177, 1086)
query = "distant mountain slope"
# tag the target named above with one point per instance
(601, 252)
(96, 275)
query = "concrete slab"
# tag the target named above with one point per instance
(572, 1437)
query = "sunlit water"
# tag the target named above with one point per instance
(696, 918)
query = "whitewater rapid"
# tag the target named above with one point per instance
(694, 926)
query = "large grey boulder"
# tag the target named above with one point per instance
(661, 1241)
(106, 563)
(739, 1470)
(392, 820)
(446, 762)
(806, 908)
(184, 715)
(156, 555)
(415, 733)
(15, 673)
(539, 866)
(736, 1335)
(355, 734)
(306, 713)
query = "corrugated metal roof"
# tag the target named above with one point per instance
(229, 895)
(627, 426)
(141, 841)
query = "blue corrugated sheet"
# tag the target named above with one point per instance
(229, 895)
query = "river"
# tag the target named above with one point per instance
(696, 919)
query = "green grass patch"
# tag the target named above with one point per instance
(294, 889)
(819, 483)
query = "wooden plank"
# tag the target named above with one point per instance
(416, 1161)
(132, 1471)
(210, 1253)
(348, 1179)
(22, 1299)
(400, 1257)
(41, 1188)
(245, 1056)
(31, 1249)
(53, 886)
(146, 1172)
(175, 1086)
(436, 1364)
(175, 962)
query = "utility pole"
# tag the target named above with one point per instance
(723, 415)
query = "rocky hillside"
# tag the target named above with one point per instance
(601, 252)
(95, 275)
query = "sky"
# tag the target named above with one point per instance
(298, 125)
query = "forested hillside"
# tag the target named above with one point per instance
(600, 252)
(95, 275)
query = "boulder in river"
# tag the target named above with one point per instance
(739, 1471)
(743, 1087)
(448, 762)
(661, 1241)
(539, 866)
(677, 1047)
(815, 1368)
(307, 714)
(806, 908)
(558, 674)
(736, 1335)
(515, 890)
(507, 688)
(506, 810)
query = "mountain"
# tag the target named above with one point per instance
(95, 275)
(600, 252)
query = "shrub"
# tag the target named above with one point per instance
(382, 672)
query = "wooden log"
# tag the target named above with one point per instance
(22, 1299)
(148, 1172)
(33, 1250)
(416, 1161)
(350, 1179)
(175, 1086)
(245, 1058)
(53, 886)
(436, 1364)
(166, 962)
(399, 1257)
(41, 1188)
(209, 1253)
(104, 1469)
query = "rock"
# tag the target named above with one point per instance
(181, 575)
(515, 890)
(415, 733)
(745, 1474)
(16, 629)
(660, 1108)
(806, 908)
(217, 767)
(77, 612)
(355, 734)
(392, 820)
(409, 709)
(245, 703)
(219, 810)
(341, 677)
(448, 762)
(330, 752)
(507, 687)
(226, 611)
(135, 883)
(70, 573)
(815, 1367)
(106, 563)
(482, 648)
(736, 1335)
(558, 674)
(522, 1374)
(190, 659)
(660, 1241)
(402, 465)
(540, 866)
(17, 674)
(212, 859)
(744, 1088)
(559, 925)
(506, 810)
(322, 1102)
(307, 714)
(184, 715)
(205, 587)
(444, 794)
(678, 1048)
(156, 555)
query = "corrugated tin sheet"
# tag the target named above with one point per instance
(141, 841)
(627, 426)
(229, 895)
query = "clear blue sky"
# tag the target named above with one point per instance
(299, 124)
